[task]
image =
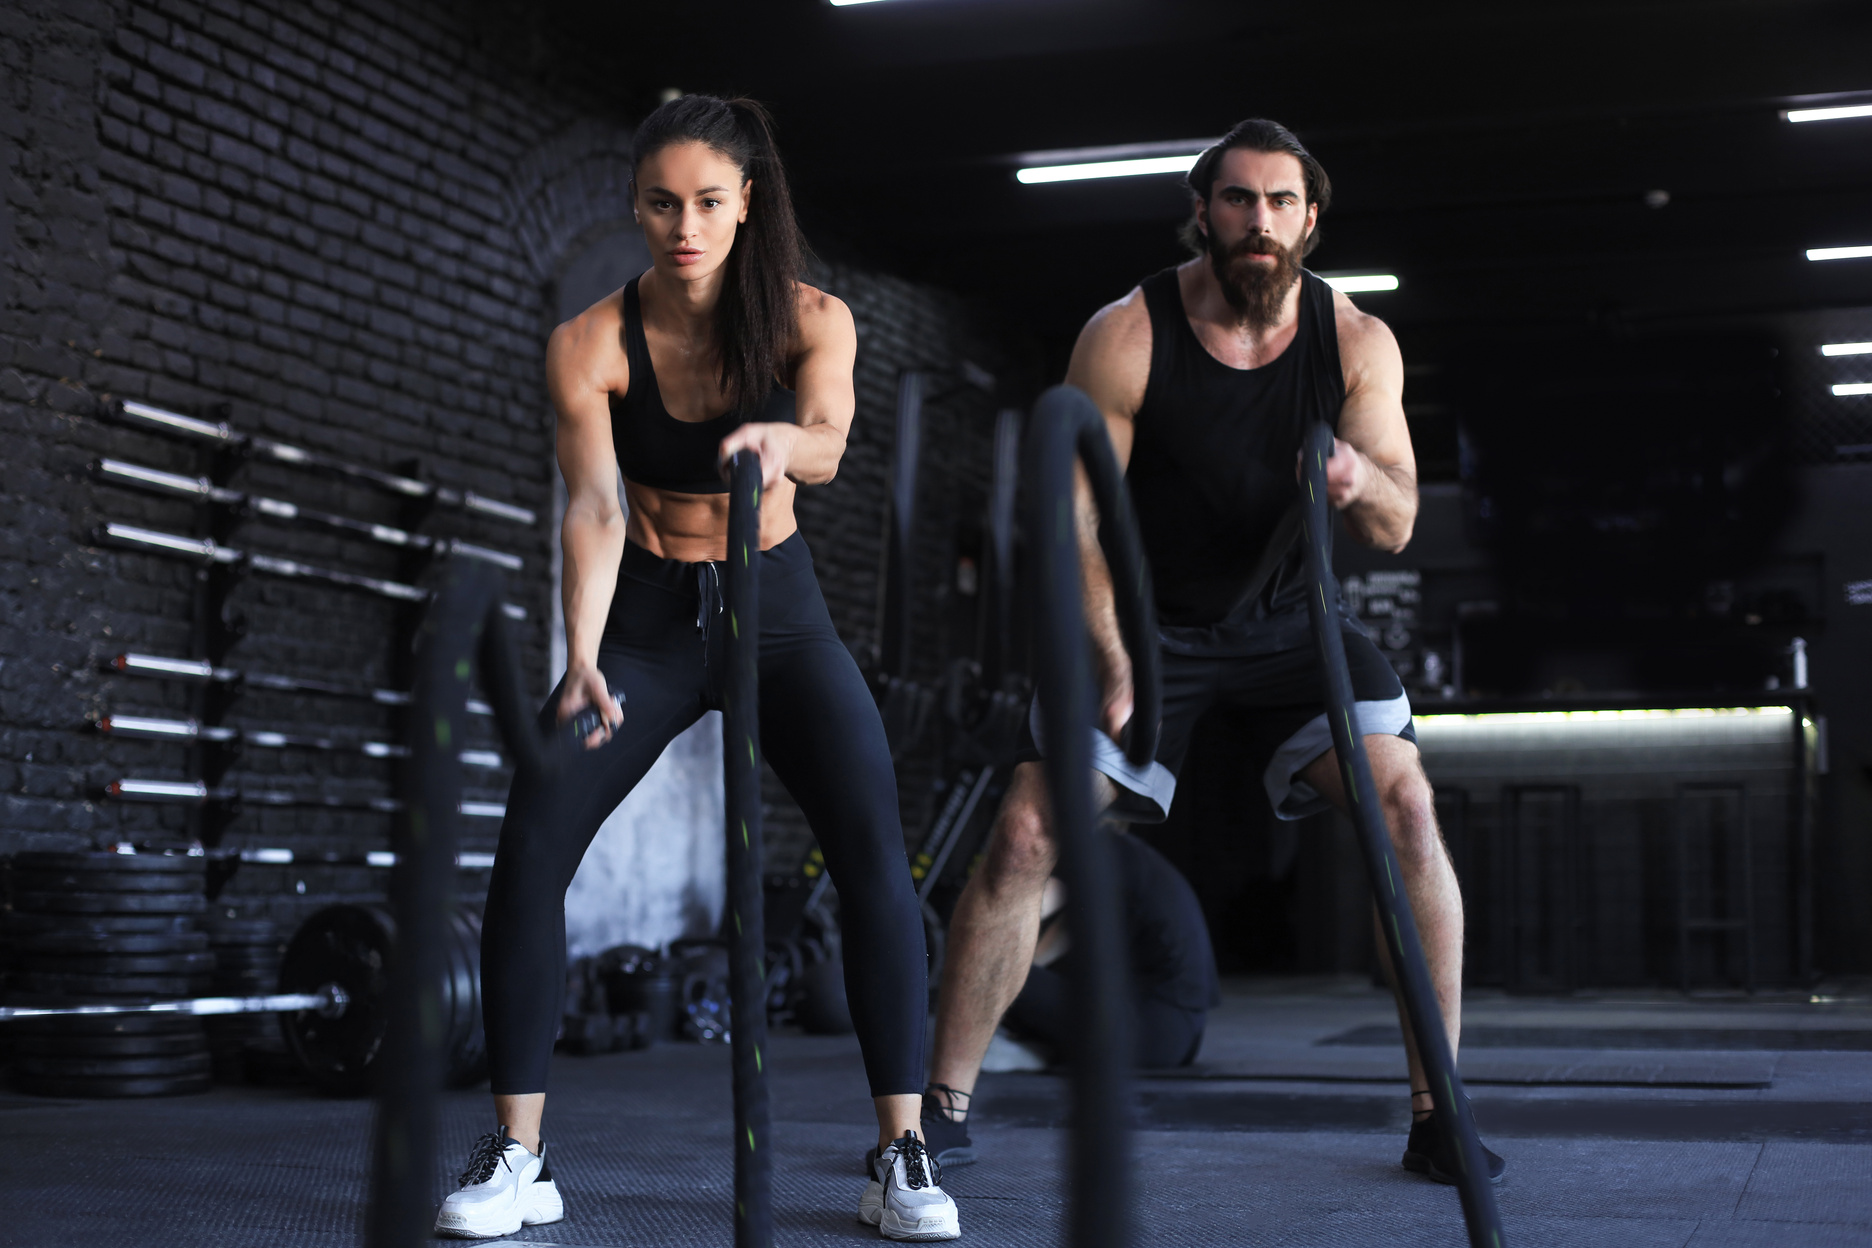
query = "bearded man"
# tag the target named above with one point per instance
(1208, 374)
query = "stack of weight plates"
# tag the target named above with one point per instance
(107, 929)
(246, 964)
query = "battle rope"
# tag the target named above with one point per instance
(1394, 911)
(464, 624)
(753, 1170)
(1067, 428)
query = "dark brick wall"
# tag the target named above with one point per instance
(340, 220)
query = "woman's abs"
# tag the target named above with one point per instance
(693, 528)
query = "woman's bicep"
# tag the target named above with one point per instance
(822, 373)
(582, 437)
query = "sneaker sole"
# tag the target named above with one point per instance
(950, 1228)
(542, 1212)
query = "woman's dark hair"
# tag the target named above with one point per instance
(758, 315)
(1257, 134)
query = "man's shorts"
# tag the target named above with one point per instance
(1284, 695)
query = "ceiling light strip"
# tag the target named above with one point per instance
(1839, 253)
(1141, 166)
(1361, 283)
(1840, 113)
(1847, 348)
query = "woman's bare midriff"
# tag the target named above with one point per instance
(693, 528)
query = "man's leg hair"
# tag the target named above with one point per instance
(993, 931)
(1429, 881)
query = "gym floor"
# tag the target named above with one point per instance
(1632, 1121)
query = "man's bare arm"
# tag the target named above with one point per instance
(1111, 363)
(1372, 476)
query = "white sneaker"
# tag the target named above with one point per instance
(503, 1189)
(904, 1198)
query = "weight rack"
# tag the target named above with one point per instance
(226, 556)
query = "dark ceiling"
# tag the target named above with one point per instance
(1495, 155)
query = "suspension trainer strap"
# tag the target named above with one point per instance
(753, 1168)
(1381, 861)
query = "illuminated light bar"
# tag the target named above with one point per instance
(480, 758)
(1841, 113)
(1847, 348)
(1558, 717)
(1839, 253)
(1363, 283)
(277, 857)
(484, 810)
(1847, 389)
(1136, 167)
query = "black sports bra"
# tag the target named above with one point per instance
(656, 449)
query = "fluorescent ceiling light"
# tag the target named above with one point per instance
(1850, 388)
(1107, 168)
(1363, 283)
(1792, 114)
(1847, 348)
(839, 4)
(1839, 253)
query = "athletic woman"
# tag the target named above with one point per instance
(718, 348)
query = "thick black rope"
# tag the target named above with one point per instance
(464, 622)
(1066, 429)
(753, 1170)
(1394, 911)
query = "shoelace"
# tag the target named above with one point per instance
(489, 1151)
(920, 1168)
(945, 1098)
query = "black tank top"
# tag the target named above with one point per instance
(1212, 472)
(656, 449)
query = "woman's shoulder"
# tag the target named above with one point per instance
(822, 316)
(591, 343)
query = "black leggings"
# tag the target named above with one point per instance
(663, 648)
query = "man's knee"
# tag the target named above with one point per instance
(1021, 851)
(1410, 812)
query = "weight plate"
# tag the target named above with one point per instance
(83, 942)
(110, 903)
(347, 946)
(104, 860)
(104, 882)
(19, 924)
(75, 985)
(77, 1025)
(108, 1046)
(111, 1088)
(202, 963)
(113, 1067)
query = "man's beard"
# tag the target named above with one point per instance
(1255, 291)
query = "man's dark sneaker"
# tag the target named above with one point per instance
(947, 1140)
(1433, 1155)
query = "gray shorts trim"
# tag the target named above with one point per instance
(1293, 798)
(1144, 793)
